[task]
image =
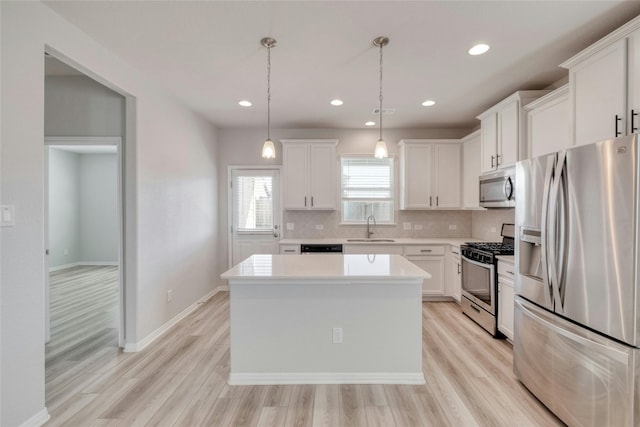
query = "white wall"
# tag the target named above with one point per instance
(64, 208)
(98, 206)
(171, 170)
(244, 147)
(80, 106)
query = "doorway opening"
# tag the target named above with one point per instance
(84, 220)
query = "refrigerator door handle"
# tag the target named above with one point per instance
(548, 181)
(555, 247)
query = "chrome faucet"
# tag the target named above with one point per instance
(369, 230)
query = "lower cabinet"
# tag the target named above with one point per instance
(454, 273)
(505, 298)
(430, 258)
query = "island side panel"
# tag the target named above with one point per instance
(282, 332)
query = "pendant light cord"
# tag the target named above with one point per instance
(269, 92)
(380, 109)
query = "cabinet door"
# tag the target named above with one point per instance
(470, 173)
(453, 274)
(434, 266)
(446, 175)
(505, 307)
(633, 80)
(598, 92)
(322, 177)
(549, 127)
(295, 161)
(508, 134)
(418, 161)
(489, 138)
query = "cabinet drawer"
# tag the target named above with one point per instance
(506, 269)
(424, 250)
(289, 249)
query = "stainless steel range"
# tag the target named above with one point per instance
(480, 279)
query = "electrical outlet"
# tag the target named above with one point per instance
(319, 227)
(291, 226)
(452, 226)
(417, 226)
(406, 226)
(8, 215)
(170, 295)
(337, 335)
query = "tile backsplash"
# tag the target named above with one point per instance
(484, 225)
(320, 224)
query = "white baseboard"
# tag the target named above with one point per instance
(326, 378)
(76, 264)
(38, 419)
(140, 345)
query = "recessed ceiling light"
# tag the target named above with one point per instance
(370, 124)
(479, 49)
(337, 102)
(428, 103)
(245, 103)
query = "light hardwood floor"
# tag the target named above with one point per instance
(180, 380)
(83, 313)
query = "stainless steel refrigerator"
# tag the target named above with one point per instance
(577, 327)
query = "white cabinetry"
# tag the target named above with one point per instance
(505, 298)
(430, 258)
(430, 174)
(309, 174)
(454, 273)
(290, 249)
(503, 131)
(604, 86)
(548, 123)
(470, 170)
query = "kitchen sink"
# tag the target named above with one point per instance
(371, 240)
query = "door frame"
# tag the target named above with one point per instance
(279, 215)
(88, 141)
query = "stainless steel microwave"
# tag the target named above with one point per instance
(498, 189)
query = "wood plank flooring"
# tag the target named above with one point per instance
(180, 380)
(84, 324)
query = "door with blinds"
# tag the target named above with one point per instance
(255, 211)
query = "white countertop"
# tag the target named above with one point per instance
(323, 266)
(454, 241)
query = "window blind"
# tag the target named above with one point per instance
(254, 210)
(367, 189)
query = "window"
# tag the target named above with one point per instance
(366, 189)
(254, 198)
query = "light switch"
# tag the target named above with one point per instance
(417, 226)
(7, 217)
(406, 226)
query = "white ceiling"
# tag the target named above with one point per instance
(208, 54)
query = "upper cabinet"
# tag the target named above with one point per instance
(503, 131)
(309, 174)
(471, 170)
(604, 91)
(548, 123)
(430, 174)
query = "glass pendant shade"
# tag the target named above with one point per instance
(269, 151)
(380, 151)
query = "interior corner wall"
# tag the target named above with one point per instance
(171, 193)
(64, 212)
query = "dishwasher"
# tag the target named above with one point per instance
(319, 248)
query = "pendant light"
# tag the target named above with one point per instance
(380, 151)
(268, 150)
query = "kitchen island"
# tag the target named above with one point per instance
(326, 319)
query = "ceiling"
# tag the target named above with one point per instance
(208, 54)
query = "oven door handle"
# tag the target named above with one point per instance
(480, 264)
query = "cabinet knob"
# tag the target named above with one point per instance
(492, 157)
(618, 119)
(634, 129)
